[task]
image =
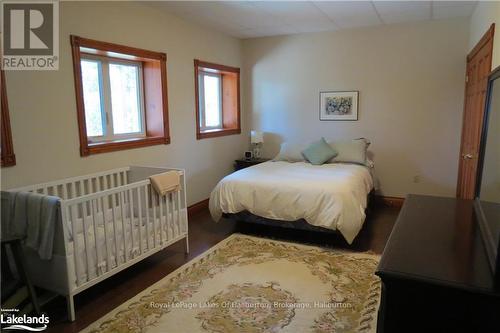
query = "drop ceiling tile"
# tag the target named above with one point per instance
(395, 7)
(183, 7)
(314, 25)
(407, 16)
(247, 19)
(453, 3)
(444, 12)
(350, 14)
(211, 20)
(288, 11)
(344, 9)
(247, 15)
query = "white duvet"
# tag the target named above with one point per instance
(332, 196)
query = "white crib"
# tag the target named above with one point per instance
(108, 221)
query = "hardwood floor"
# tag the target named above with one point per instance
(204, 233)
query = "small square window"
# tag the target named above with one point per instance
(217, 100)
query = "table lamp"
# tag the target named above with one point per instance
(256, 138)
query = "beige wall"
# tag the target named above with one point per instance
(410, 79)
(486, 13)
(42, 103)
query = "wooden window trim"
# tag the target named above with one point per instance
(235, 127)
(154, 68)
(8, 157)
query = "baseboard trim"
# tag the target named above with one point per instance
(393, 202)
(197, 207)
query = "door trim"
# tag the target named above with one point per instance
(486, 38)
(490, 34)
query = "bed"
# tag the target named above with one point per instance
(331, 196)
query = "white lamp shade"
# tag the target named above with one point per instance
(256, 137)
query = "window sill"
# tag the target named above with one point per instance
(109, 146)
(217, 132)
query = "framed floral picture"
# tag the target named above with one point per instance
(338, 105)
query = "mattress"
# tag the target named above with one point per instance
(332, 196)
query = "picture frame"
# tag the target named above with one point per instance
(338, 105)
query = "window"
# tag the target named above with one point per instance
(7, 149)
(121, 96)
(217, 90)
(210, 85)
(113, 102)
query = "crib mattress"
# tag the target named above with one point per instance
(51, 274)
(92, 260)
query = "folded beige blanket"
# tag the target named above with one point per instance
(166, 182)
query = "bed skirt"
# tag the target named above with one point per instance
(301, 224)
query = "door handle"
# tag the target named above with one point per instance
(467, 156)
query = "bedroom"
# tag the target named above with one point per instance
(404, 65)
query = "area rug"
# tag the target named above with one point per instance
(249, 284)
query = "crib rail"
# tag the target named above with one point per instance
(112, 229)
(83, 185)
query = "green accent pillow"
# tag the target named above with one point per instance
(319, 152)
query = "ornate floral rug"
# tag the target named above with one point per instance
(249, 284)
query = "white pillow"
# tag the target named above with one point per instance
(291, 152)
(353, 151)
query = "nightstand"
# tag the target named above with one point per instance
(244, 163)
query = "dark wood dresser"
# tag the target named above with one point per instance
(435, 272)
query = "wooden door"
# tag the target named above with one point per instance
(476, 82)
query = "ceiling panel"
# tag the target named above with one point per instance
(406, 16)
(346, 9)
(348, 14)
(248, 19)
(444, 12)
(395, 7)
(213, 21)
(453, 3)
(289, 10)
(314, 25)
(248, 15)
